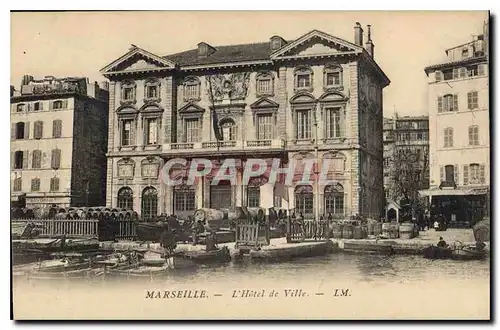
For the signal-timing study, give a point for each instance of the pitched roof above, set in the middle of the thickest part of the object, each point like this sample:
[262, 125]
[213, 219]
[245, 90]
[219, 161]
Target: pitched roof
[224, 54]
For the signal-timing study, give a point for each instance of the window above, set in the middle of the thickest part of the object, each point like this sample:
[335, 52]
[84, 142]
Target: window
[125, 198]
[151, 92]
[303, 78]
[38, 106]
[333, 79]
[149, 207]
[334, 199]
[439, 75]
[18, 183]
[57, 128]
[36, 161]
[221, 195]
[54, 184]
[19, 160]
[253, 196]
[448, 137]
[472, 100]
[38, 131]
[332, 122]
[264, 127]
[192, 130]
[474, 135]
[304, 201]
[387, 161]
[465, 52]
[151, 131]
[462, 72]
[35, 184]
[20, 131]
[128, 93]
[448, 103]
[265, 84]
[184, 199]
[303, 128]
[455, 73]
[57, 105]
[474, 174]
[126, 132]
[21, 107]
[228, 130]
[480, 69]
[55, 159]
[332, 76]
[191, 88]
[449, 174]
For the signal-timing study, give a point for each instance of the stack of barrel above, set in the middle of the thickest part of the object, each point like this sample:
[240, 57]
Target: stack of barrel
[217, 219]
[374, 227]
[390, 230]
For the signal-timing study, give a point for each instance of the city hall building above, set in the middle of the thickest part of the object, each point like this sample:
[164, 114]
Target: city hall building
[317, 97]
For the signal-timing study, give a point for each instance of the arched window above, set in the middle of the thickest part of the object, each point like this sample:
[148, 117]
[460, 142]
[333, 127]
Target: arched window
[125, 198]
[332, 76]
[228, 129]
[304, 200]
[184, 199]
[334, 200]
[191, 88]
[303, 78]
[264, 84]
[149, 207]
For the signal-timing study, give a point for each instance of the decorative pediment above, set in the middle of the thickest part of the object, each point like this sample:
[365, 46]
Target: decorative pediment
[264, 103]
[190, 108]
[127, 110]
[137, 60]
[333, 96]
[302, 98]
[151, 107]
[316, 43]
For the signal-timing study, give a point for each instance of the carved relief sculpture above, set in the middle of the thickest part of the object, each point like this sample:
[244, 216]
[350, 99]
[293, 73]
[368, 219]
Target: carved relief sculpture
[232, 86]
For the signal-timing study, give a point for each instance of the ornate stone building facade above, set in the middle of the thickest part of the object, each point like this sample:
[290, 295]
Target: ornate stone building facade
[58, 142]
[317, 97]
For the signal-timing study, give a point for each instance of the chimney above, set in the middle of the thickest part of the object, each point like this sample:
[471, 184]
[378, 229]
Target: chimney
[369, 44]
[358, 34]
[26, 80]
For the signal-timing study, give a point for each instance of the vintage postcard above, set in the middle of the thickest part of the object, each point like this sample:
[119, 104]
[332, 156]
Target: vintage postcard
[315, 165]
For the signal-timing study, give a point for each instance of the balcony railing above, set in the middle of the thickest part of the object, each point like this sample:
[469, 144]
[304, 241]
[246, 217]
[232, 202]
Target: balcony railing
[224, 145]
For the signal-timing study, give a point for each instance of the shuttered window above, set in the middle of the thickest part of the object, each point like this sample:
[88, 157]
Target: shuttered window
[38, 130]
[474, 135]
[448, 137]
[18, 183]
[472, 100]
[36, 161]
[54, 184]
[57, 128]
[35, 184]
[56, 159]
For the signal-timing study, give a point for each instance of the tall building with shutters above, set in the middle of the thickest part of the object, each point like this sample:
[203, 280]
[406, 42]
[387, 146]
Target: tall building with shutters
[316, 97]
[58, 141]
[459, 131]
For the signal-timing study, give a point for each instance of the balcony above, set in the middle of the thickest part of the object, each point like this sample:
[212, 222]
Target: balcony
[223, 146]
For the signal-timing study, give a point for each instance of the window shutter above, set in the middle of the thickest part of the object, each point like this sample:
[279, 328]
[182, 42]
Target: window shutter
[469, 100]
[480, 69]
[439, 76]
[12, 160]
[441, 173]
[25, 159]
[455, 173]
[51, 105]
[40, 106]
[466, 175]
[132, 133]
[40, 124]
[455, 102]
[65, 104]
[13, 131]
[440, 104]
[27, 130]
[455, 73]
[482, 175]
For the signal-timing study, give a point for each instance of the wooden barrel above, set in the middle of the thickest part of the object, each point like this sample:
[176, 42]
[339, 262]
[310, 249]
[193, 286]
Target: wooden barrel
[393, 230]
[481, 231]
[377, 228]
[348, 231]
[336, 230]
[212, 218]
[257, 213]
[359, 232]
[385, 228]
[406, 230]
[235, 213]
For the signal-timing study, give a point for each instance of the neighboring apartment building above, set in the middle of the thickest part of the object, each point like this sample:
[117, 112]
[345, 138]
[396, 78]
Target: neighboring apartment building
[406, 155]
[317, 97]
[59, 141]
[459, 130]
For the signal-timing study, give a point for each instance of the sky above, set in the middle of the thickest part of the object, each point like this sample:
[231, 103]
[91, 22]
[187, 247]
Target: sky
[81, 43]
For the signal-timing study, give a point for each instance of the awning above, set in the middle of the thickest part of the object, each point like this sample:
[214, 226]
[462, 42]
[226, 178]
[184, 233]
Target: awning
[454, 192]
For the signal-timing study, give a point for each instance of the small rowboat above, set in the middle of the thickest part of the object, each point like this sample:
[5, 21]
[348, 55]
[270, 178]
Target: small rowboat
[434, 252]
[468, 254]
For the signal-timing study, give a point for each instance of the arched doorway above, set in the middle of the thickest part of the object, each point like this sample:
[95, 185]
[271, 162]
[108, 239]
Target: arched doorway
[304, 201]
[125, 198]
[149, 204]
[392, 215]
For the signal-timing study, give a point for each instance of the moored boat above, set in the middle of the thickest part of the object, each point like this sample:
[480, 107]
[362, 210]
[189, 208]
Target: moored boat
[468, 254]
[435, 252]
